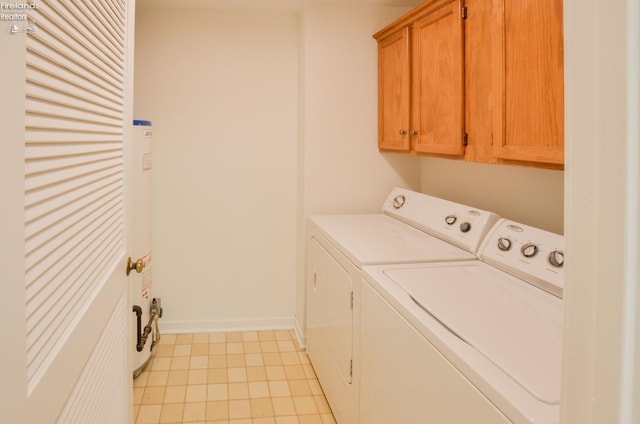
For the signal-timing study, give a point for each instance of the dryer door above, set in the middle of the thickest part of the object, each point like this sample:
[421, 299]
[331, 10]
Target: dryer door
[329, 316]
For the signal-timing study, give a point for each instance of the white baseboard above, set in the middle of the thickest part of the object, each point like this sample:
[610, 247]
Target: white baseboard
[222, 326]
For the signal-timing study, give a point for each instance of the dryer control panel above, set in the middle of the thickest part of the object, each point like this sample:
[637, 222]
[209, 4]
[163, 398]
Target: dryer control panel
[532, 254]
[458, 224]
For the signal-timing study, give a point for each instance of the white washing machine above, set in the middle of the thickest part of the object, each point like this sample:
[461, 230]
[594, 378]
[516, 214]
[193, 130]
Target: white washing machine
[466, 342]
[412, 227]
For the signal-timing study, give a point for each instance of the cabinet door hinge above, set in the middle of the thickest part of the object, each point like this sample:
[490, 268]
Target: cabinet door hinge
[465, 139]
[463, 12]
[352, 300]
[351, 368]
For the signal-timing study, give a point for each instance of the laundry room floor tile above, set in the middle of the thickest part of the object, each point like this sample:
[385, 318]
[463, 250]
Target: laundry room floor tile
[252, 377]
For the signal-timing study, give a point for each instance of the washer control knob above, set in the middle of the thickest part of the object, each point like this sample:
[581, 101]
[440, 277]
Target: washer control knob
[398, 201]
[465, 227]
[556, 258]
[504, 244]
[529, 250]
[451, 219]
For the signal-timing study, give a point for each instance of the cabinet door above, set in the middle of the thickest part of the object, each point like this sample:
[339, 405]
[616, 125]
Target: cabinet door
[393, 91]
[528, 105]
[438, 82]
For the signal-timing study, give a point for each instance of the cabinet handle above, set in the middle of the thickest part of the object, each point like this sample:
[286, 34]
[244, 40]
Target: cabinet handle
[402, 132]
[413, 132]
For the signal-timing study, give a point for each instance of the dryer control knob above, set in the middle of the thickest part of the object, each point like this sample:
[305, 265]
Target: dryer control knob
[529, 250]
[398, 201]
[451, 219]
[465, 227]
[504, 244]
[556, 258]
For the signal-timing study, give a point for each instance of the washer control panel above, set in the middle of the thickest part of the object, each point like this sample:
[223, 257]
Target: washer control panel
[529, 253]
[458, 224]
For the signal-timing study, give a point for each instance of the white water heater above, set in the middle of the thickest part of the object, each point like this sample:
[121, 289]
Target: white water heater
[146, 309]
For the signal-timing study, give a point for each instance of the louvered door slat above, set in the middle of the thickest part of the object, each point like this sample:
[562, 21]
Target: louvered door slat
[42, 338]
[74, 64]
[96, 39]
[116, 11]
[108, 13]
[74, 167]
[51, 264]
[34, 136]
[57, 123]
[47, 95]
[74, 159]
[51, 315]
[102, 23]
[36, 198]
[49, 276]
[46, 297]
[57, 31]
[39, 180]
[62, 212]
[67, 59]
[40, 70]
[108, 20]
[52, 149]
[36, 107]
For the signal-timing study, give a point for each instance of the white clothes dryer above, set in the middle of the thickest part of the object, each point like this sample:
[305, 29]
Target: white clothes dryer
[455, 342]
[412, 227]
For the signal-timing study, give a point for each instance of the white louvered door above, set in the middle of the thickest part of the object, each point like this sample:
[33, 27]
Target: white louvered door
[65, 130]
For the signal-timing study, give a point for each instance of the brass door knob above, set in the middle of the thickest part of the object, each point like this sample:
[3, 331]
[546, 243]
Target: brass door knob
[137, 265]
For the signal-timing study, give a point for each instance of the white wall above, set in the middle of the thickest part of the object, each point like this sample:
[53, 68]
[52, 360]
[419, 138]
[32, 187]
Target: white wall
[340, 168]
[343, 171]
[221, 90]
[259, 119]
[528, 195]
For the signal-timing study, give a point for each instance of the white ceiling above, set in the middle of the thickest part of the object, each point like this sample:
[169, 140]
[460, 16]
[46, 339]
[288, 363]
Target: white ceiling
[258, 5]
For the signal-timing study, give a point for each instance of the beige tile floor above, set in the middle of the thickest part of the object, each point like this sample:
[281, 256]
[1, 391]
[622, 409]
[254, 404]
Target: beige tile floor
[234, 378]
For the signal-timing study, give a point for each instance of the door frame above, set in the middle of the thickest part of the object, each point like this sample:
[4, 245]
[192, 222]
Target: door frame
[12, 261]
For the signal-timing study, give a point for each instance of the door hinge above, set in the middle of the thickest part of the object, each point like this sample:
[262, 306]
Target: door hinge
[465, 139]
[351, 368]
[352, 300]
[463, 12]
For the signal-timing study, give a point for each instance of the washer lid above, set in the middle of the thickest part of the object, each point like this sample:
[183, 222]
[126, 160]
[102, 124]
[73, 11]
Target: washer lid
[515, 325]
[378, 239]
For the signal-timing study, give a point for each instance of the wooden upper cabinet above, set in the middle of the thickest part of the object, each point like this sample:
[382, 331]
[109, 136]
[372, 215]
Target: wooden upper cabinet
[438, 82]
[489, 70]
[421, 81]
[528, 81]
[393, 91]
